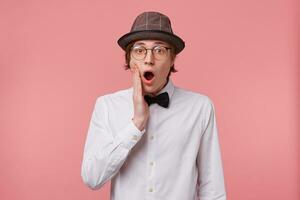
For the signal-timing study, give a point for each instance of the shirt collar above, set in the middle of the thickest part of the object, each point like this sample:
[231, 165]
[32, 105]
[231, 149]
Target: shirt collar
[169, 88]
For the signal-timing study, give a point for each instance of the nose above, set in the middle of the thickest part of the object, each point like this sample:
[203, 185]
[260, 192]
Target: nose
[149, 59]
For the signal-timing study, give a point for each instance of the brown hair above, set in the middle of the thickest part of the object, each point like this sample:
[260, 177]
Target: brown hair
[127, 58]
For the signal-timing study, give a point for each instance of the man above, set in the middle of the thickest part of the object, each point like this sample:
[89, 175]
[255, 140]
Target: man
[154, 140]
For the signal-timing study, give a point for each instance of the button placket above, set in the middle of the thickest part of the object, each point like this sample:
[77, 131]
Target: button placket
[150, 166]
[135, 137]
[151, 149]
[151, 137]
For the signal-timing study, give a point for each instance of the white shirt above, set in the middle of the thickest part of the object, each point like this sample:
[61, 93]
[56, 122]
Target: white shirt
[176, 157]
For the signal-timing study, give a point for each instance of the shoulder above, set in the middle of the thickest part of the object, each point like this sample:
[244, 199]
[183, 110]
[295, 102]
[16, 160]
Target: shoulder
[120, 94]
[201, 103]
[113, 99]
[197, 98]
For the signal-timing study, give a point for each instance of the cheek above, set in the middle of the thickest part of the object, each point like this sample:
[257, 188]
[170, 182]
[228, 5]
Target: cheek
[163, 73]
[131, 64]
[133, 61]
[165, 70]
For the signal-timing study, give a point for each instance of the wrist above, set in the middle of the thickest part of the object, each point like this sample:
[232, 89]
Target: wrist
[139, 123]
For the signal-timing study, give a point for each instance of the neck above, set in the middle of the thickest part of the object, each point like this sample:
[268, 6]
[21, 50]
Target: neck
[163, 85]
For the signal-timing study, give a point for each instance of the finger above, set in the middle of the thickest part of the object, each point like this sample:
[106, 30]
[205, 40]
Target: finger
[131, 69]
[135, 80]
[139, 82]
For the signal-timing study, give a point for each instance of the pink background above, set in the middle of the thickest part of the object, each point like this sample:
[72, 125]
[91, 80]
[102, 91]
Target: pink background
[56, 57]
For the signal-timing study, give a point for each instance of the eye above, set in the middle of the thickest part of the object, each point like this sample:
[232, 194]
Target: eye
[159, 50]
[139, 50]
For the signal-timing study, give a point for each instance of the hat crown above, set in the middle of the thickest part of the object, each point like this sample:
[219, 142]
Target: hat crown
[152, 26]
[152, 21]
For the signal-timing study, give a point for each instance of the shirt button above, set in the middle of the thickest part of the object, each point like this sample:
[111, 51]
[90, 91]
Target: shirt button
[151, 163]
[135, 137]
[151, 137]
[150, 189]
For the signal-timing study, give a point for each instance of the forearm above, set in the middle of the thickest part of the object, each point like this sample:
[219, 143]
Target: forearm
[104, 151]
[211, 177]
[101, 162]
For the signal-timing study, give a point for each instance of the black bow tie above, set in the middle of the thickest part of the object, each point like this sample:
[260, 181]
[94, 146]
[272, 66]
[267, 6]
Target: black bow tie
[161, 99]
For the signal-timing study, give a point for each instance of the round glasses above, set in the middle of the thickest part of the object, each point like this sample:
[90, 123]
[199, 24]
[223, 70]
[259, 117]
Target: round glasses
[159, 52]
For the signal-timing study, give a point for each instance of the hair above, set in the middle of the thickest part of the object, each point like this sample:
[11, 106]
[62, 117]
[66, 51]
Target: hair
[127, 58]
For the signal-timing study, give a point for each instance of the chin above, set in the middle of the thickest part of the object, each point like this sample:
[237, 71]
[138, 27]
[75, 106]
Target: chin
[149, 89]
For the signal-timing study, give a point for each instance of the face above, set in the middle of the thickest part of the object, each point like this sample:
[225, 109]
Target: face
[153, 71]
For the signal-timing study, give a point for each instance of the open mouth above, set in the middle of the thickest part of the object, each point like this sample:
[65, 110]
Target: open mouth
[148, 76]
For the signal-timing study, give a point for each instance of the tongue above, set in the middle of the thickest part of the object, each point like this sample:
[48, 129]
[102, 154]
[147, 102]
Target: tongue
[149, 75]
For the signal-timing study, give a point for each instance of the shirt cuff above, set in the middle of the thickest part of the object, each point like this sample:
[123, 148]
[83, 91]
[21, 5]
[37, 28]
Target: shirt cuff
[130, 135]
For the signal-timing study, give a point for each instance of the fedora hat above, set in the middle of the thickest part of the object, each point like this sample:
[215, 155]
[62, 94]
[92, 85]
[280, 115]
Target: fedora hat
[155, 26]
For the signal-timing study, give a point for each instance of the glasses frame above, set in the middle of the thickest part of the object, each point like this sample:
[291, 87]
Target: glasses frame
[167, 48]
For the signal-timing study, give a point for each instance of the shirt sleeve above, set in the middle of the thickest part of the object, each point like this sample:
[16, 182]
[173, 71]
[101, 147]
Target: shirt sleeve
[211, 180]
[104, 152]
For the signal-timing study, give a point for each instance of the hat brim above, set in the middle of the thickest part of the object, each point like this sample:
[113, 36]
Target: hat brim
[172, 39]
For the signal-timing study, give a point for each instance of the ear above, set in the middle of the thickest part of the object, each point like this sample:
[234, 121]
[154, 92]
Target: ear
[172, 63]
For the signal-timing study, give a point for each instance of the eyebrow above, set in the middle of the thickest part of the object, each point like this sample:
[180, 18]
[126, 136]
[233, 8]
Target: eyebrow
[139, 43]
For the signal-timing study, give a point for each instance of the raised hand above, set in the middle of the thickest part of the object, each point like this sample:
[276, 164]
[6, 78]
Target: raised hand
[141, 108]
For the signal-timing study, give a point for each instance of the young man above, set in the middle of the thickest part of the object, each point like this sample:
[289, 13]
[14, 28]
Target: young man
[154, 140]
